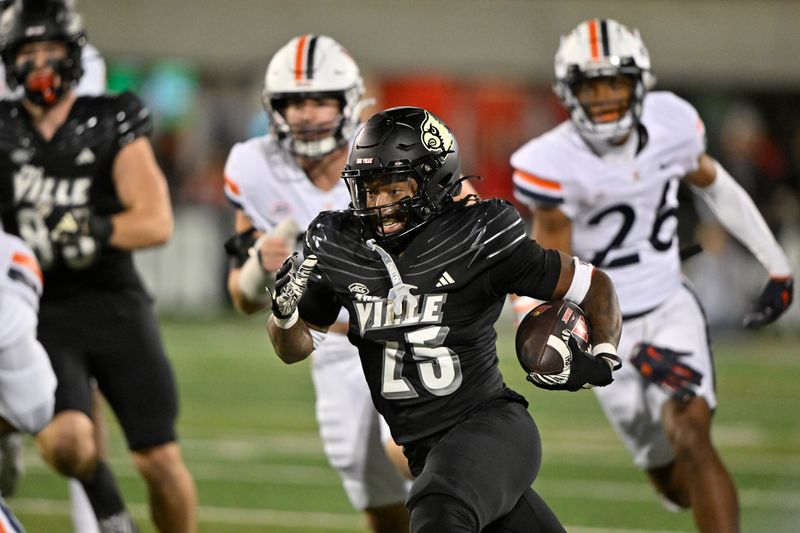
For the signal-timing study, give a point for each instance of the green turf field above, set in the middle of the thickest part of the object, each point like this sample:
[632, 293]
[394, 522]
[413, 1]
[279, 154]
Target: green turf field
[249, 438]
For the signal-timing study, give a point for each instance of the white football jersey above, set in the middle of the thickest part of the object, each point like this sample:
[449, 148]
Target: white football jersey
[265, 181]
[623, 212]
[19, 270]
[92, 83]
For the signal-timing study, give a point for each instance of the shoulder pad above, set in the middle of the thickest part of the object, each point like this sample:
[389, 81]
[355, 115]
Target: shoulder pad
[132, 118]
[329, 226]
[674, 112]
[539, 166]
[502, 231]
[475, 236]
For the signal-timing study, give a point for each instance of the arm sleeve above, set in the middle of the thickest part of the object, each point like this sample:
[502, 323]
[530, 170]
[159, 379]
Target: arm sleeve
[737, 212]
[529, 271]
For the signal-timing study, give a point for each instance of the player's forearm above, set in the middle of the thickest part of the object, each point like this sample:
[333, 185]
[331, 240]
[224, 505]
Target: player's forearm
[740, 216]
[293, 344]
[602, 309]
[134, 229]
[241, 302]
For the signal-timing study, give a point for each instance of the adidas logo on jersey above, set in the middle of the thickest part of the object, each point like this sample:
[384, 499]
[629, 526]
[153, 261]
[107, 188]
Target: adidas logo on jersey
[445, 279]
[86, 157]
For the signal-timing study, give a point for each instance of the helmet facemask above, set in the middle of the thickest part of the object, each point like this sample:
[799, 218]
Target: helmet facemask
[311, 141]
[591, 124]
[46, 87]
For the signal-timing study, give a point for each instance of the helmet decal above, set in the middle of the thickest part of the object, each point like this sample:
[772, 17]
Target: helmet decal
[436, 137]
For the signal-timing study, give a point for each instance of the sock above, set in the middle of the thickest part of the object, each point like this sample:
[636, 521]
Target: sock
[83, 519]
[103, 492]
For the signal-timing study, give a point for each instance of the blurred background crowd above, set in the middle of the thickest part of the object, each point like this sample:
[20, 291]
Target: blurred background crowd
[486, 68]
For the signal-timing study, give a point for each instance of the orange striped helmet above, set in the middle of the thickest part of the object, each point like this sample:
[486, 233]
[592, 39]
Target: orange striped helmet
[313, 66]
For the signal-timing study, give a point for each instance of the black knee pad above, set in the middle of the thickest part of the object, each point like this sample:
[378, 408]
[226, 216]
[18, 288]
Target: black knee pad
[435, 513]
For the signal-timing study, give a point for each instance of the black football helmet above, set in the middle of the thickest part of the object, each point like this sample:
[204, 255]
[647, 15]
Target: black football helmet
[403, 143]
[26, 21]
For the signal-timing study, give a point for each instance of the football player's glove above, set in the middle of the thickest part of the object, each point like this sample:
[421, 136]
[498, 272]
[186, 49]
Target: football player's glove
[80, 235]
[663, 367]
[582, 370]
[237, 247]
[289, 287]
[774, 300]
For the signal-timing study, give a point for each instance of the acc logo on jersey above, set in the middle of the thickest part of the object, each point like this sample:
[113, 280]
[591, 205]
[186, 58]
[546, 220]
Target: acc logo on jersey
[358, 288]
[435, 135]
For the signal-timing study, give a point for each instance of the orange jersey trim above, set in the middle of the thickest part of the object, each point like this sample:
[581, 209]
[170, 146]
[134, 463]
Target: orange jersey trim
[232, 186]
[537, 181]
[29, 262]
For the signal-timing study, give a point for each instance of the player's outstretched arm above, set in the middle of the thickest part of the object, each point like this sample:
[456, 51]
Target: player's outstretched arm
[739, 215]
[142, 188]
[290, 335]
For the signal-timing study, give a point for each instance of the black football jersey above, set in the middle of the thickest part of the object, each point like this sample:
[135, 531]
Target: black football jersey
[435, 361]
[42, 180]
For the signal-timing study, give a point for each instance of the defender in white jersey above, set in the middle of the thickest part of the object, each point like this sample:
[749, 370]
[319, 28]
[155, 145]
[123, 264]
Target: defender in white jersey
[92, 83]
[27, 380]
[279, 183]
[603, 186]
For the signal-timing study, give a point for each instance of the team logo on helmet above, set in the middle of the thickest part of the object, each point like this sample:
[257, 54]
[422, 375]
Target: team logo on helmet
[436, 137]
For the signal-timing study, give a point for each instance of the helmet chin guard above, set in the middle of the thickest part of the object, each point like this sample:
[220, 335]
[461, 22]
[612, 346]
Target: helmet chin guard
[599, 48]
[314, 66]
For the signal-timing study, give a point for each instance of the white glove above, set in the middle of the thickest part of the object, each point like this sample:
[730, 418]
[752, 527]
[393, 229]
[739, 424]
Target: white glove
[288, 290]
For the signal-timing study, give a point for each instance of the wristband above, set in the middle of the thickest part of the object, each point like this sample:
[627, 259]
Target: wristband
[101, 228]
[288, 322]
[607, 349]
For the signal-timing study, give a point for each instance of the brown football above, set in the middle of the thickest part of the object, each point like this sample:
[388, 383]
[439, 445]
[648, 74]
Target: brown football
[549, 318]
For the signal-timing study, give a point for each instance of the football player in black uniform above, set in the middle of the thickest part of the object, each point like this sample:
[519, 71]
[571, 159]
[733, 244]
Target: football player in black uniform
[424, 279]
[79, 182]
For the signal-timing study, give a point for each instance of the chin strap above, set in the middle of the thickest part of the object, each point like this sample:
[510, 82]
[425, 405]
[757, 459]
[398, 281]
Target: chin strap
[400, 291]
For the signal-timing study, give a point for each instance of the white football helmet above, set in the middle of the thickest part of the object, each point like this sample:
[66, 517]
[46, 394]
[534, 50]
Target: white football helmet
[313, 66]
[595, 48]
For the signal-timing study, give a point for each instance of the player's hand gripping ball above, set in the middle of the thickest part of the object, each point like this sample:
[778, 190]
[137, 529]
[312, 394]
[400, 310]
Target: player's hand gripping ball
[552, 345]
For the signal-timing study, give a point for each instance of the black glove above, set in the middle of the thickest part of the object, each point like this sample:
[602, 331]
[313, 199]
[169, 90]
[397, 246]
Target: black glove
[237, 247]
[290, 286]
[582, 370]
[774, 300]
[663, 367]
[80, 236]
